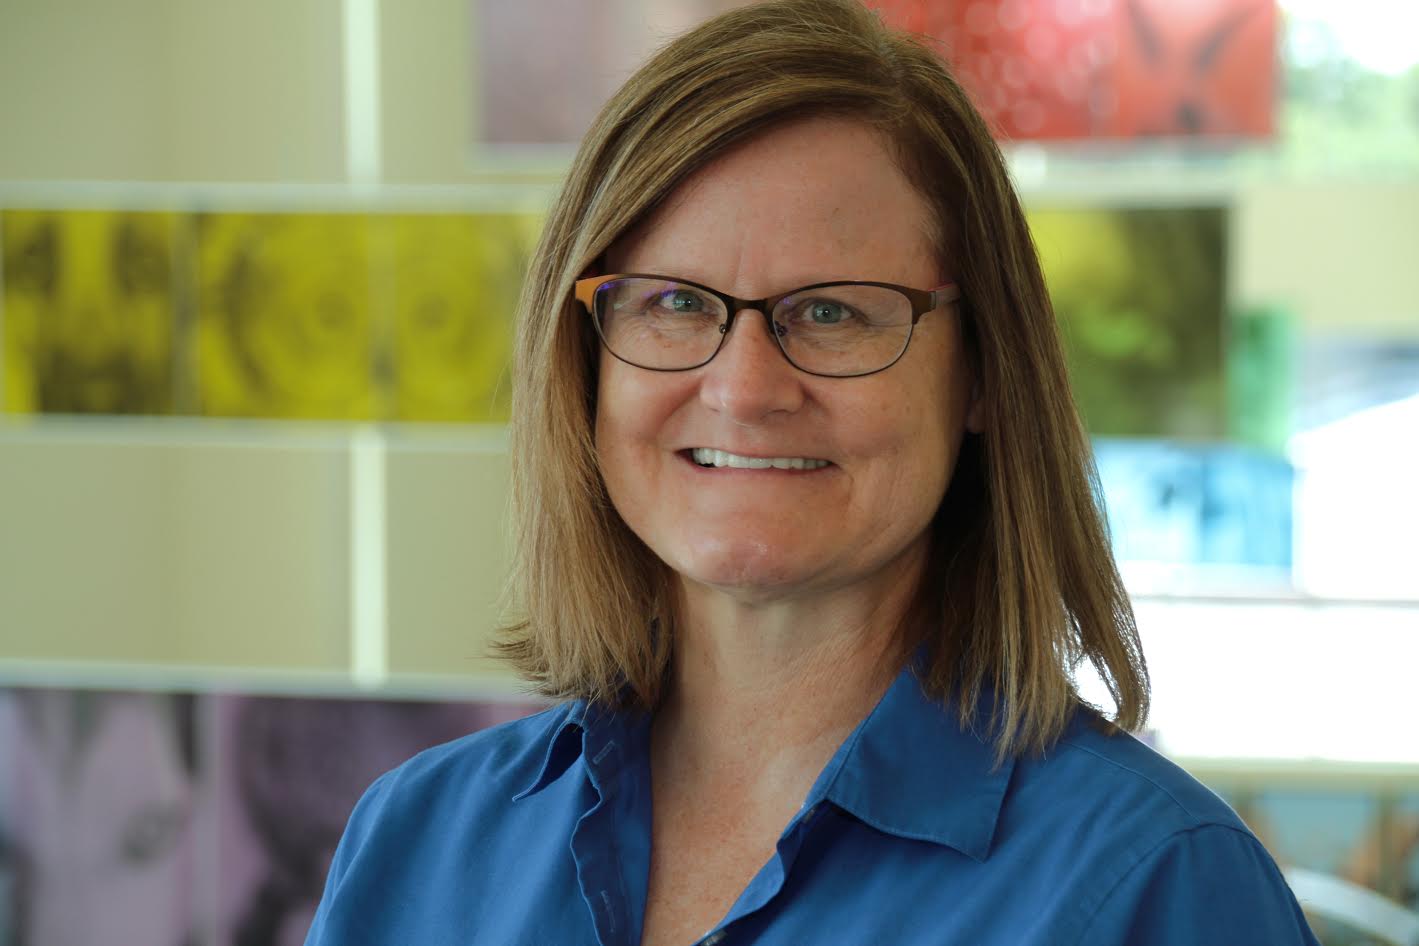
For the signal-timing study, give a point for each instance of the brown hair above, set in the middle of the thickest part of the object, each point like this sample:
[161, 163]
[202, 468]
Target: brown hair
[1021, 586]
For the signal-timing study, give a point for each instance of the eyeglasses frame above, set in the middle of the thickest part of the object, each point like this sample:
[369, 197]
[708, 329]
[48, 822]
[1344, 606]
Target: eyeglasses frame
[922, 301]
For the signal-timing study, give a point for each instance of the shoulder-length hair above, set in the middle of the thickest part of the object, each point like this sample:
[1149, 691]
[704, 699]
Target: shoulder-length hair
[1021, 586]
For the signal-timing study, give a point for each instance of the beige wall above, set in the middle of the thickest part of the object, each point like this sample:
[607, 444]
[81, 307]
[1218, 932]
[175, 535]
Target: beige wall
[151, 544]
[227, 547]
[257, 90]
[1340, 255]
[171, 90]
[448, 551]
[84, 91]
[426, 78]
[213, 91]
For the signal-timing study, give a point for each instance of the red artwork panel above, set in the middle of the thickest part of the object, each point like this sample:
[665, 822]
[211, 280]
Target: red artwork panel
[1072, 69]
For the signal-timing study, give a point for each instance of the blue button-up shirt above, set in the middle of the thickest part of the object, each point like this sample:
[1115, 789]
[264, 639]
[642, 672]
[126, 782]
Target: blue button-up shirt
[538, 832]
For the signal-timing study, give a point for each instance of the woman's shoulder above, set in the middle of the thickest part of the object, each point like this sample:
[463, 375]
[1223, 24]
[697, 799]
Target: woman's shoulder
[457, 780]
[1100, 802]
[1141, 850]
[1093, 753]
[440, 831]
[502, 757]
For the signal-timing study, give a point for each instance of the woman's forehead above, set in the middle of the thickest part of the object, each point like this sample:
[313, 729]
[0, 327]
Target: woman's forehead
[820, 198]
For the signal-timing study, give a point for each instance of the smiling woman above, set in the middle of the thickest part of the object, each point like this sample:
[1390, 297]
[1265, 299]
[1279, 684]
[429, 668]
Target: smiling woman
[810, 556]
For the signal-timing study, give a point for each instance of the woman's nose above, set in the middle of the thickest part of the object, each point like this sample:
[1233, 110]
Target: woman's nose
[749, 379]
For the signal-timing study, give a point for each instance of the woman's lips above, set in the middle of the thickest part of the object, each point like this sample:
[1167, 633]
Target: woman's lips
[714, 458]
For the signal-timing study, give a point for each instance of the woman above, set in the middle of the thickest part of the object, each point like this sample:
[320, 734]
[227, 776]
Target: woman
[811, 567]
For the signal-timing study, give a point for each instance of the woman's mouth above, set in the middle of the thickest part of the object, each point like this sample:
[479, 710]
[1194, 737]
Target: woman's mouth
[710, 457]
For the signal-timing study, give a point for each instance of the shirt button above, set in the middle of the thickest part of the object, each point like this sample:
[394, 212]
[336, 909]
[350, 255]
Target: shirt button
[712, 938]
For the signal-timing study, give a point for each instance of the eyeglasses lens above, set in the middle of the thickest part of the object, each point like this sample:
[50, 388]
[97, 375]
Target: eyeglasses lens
[838, 330]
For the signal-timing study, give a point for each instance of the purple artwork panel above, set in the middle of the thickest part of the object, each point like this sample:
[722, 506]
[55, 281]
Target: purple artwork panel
[177, 820]
[99, 807]
[288, 771]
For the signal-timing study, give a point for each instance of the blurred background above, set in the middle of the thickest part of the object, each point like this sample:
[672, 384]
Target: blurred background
[258, 264]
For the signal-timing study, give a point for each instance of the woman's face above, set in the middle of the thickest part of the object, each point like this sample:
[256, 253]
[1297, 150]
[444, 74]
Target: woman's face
[807, 202]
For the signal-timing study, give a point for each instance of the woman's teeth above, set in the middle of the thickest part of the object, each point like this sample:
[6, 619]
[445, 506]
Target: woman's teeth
[706, 456]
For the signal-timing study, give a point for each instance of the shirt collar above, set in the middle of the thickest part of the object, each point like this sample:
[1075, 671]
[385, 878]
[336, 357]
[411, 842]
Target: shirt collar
[564, 736]
[588, 731]
[909, 769]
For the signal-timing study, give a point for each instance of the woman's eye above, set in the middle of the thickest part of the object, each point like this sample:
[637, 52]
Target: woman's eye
[827, 313]
[682, 300]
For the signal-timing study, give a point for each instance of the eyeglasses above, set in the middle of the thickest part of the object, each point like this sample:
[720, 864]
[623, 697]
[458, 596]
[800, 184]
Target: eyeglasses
[835, 329]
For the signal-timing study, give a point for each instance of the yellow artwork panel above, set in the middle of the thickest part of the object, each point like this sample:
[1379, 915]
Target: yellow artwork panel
[90, 311]
[339, 316]
[451, 292]
[285, 325]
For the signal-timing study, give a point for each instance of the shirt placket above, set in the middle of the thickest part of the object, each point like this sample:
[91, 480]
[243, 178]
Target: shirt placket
[611, 841]
[594, 851]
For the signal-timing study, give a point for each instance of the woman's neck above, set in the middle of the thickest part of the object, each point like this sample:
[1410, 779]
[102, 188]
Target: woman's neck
[767, 691]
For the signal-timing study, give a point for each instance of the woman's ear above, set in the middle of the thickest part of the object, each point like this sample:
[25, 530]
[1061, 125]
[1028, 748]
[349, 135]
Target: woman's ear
[975, 403]
[975, 410]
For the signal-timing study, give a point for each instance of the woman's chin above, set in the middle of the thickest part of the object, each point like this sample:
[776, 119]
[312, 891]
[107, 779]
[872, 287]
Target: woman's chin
[745, 568]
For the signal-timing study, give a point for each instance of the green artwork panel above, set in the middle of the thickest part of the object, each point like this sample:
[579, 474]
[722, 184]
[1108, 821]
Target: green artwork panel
[1261, 377]
[1139, 294]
